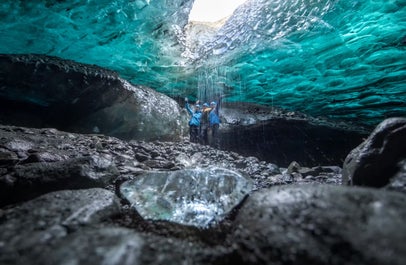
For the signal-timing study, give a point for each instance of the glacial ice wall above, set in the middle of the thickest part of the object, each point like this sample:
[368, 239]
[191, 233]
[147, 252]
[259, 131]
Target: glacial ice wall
[135, 38]
[341, 59]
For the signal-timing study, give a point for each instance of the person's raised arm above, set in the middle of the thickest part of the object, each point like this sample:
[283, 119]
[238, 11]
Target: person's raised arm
[188, 107]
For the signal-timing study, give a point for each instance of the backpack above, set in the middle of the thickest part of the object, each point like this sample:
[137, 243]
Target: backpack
[204, 120]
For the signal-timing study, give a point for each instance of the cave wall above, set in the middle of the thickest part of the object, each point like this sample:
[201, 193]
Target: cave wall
[344, 60]
[44, 91]
[282, 141]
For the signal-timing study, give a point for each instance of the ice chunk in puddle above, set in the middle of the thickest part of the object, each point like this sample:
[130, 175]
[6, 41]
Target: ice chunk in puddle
[197, 197]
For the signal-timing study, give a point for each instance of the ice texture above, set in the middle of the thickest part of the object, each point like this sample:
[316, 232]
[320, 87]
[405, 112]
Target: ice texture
[195, 197]
[341, 59]
[344, 60]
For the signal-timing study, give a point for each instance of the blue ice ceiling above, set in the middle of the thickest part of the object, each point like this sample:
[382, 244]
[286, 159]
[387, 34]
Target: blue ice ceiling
[344, 60]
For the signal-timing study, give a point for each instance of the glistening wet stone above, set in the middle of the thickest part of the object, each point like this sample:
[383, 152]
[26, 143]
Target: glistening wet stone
[195, 197]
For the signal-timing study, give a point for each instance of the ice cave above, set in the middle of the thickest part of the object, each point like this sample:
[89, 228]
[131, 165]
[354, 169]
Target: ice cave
[96, 164]
[344, 60]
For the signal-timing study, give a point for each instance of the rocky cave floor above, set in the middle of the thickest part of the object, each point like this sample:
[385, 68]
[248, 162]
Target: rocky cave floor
[61, 203]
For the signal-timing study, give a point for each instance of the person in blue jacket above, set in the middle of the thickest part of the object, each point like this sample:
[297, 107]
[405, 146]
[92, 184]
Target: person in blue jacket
[214, 119]
[194, 123]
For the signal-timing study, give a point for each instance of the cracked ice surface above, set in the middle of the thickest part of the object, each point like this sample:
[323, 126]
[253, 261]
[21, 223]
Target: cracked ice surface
[196, 197]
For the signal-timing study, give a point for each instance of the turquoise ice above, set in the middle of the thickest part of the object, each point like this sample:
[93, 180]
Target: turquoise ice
[341, 59]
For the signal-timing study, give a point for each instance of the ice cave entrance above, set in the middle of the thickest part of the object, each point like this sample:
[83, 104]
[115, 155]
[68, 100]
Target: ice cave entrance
[213, 10]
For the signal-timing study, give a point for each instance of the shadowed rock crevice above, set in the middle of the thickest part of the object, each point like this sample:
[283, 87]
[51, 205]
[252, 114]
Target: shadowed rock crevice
[284, 139]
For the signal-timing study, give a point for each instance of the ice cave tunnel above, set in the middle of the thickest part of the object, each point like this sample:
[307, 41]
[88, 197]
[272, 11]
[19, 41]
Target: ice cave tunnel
[95, 162]
[340, 60]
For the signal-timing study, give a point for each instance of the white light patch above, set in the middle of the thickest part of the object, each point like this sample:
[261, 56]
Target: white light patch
[213, 10]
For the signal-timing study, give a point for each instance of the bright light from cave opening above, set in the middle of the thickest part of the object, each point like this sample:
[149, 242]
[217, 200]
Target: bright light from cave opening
[213, 10]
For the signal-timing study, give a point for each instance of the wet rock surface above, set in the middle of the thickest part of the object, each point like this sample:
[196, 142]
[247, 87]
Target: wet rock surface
[29, 229]
[319, 224]
[109, 245]
[380, 157]
[294, 215]
[398, 181]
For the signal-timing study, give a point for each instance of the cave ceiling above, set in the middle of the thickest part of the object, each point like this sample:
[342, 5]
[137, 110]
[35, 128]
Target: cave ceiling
[343, 60]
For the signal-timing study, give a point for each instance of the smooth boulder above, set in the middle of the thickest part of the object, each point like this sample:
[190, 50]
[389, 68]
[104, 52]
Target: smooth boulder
[321, 224]
[375, 161]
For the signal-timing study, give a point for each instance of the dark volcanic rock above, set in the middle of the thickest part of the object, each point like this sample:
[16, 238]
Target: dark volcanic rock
[89, 99]
[398, 181]
[33, 179]
[314, 222]
[36, 161]
[31, 228]
[111, 245]
[34, 164]
[374, 162]
[321, 224]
